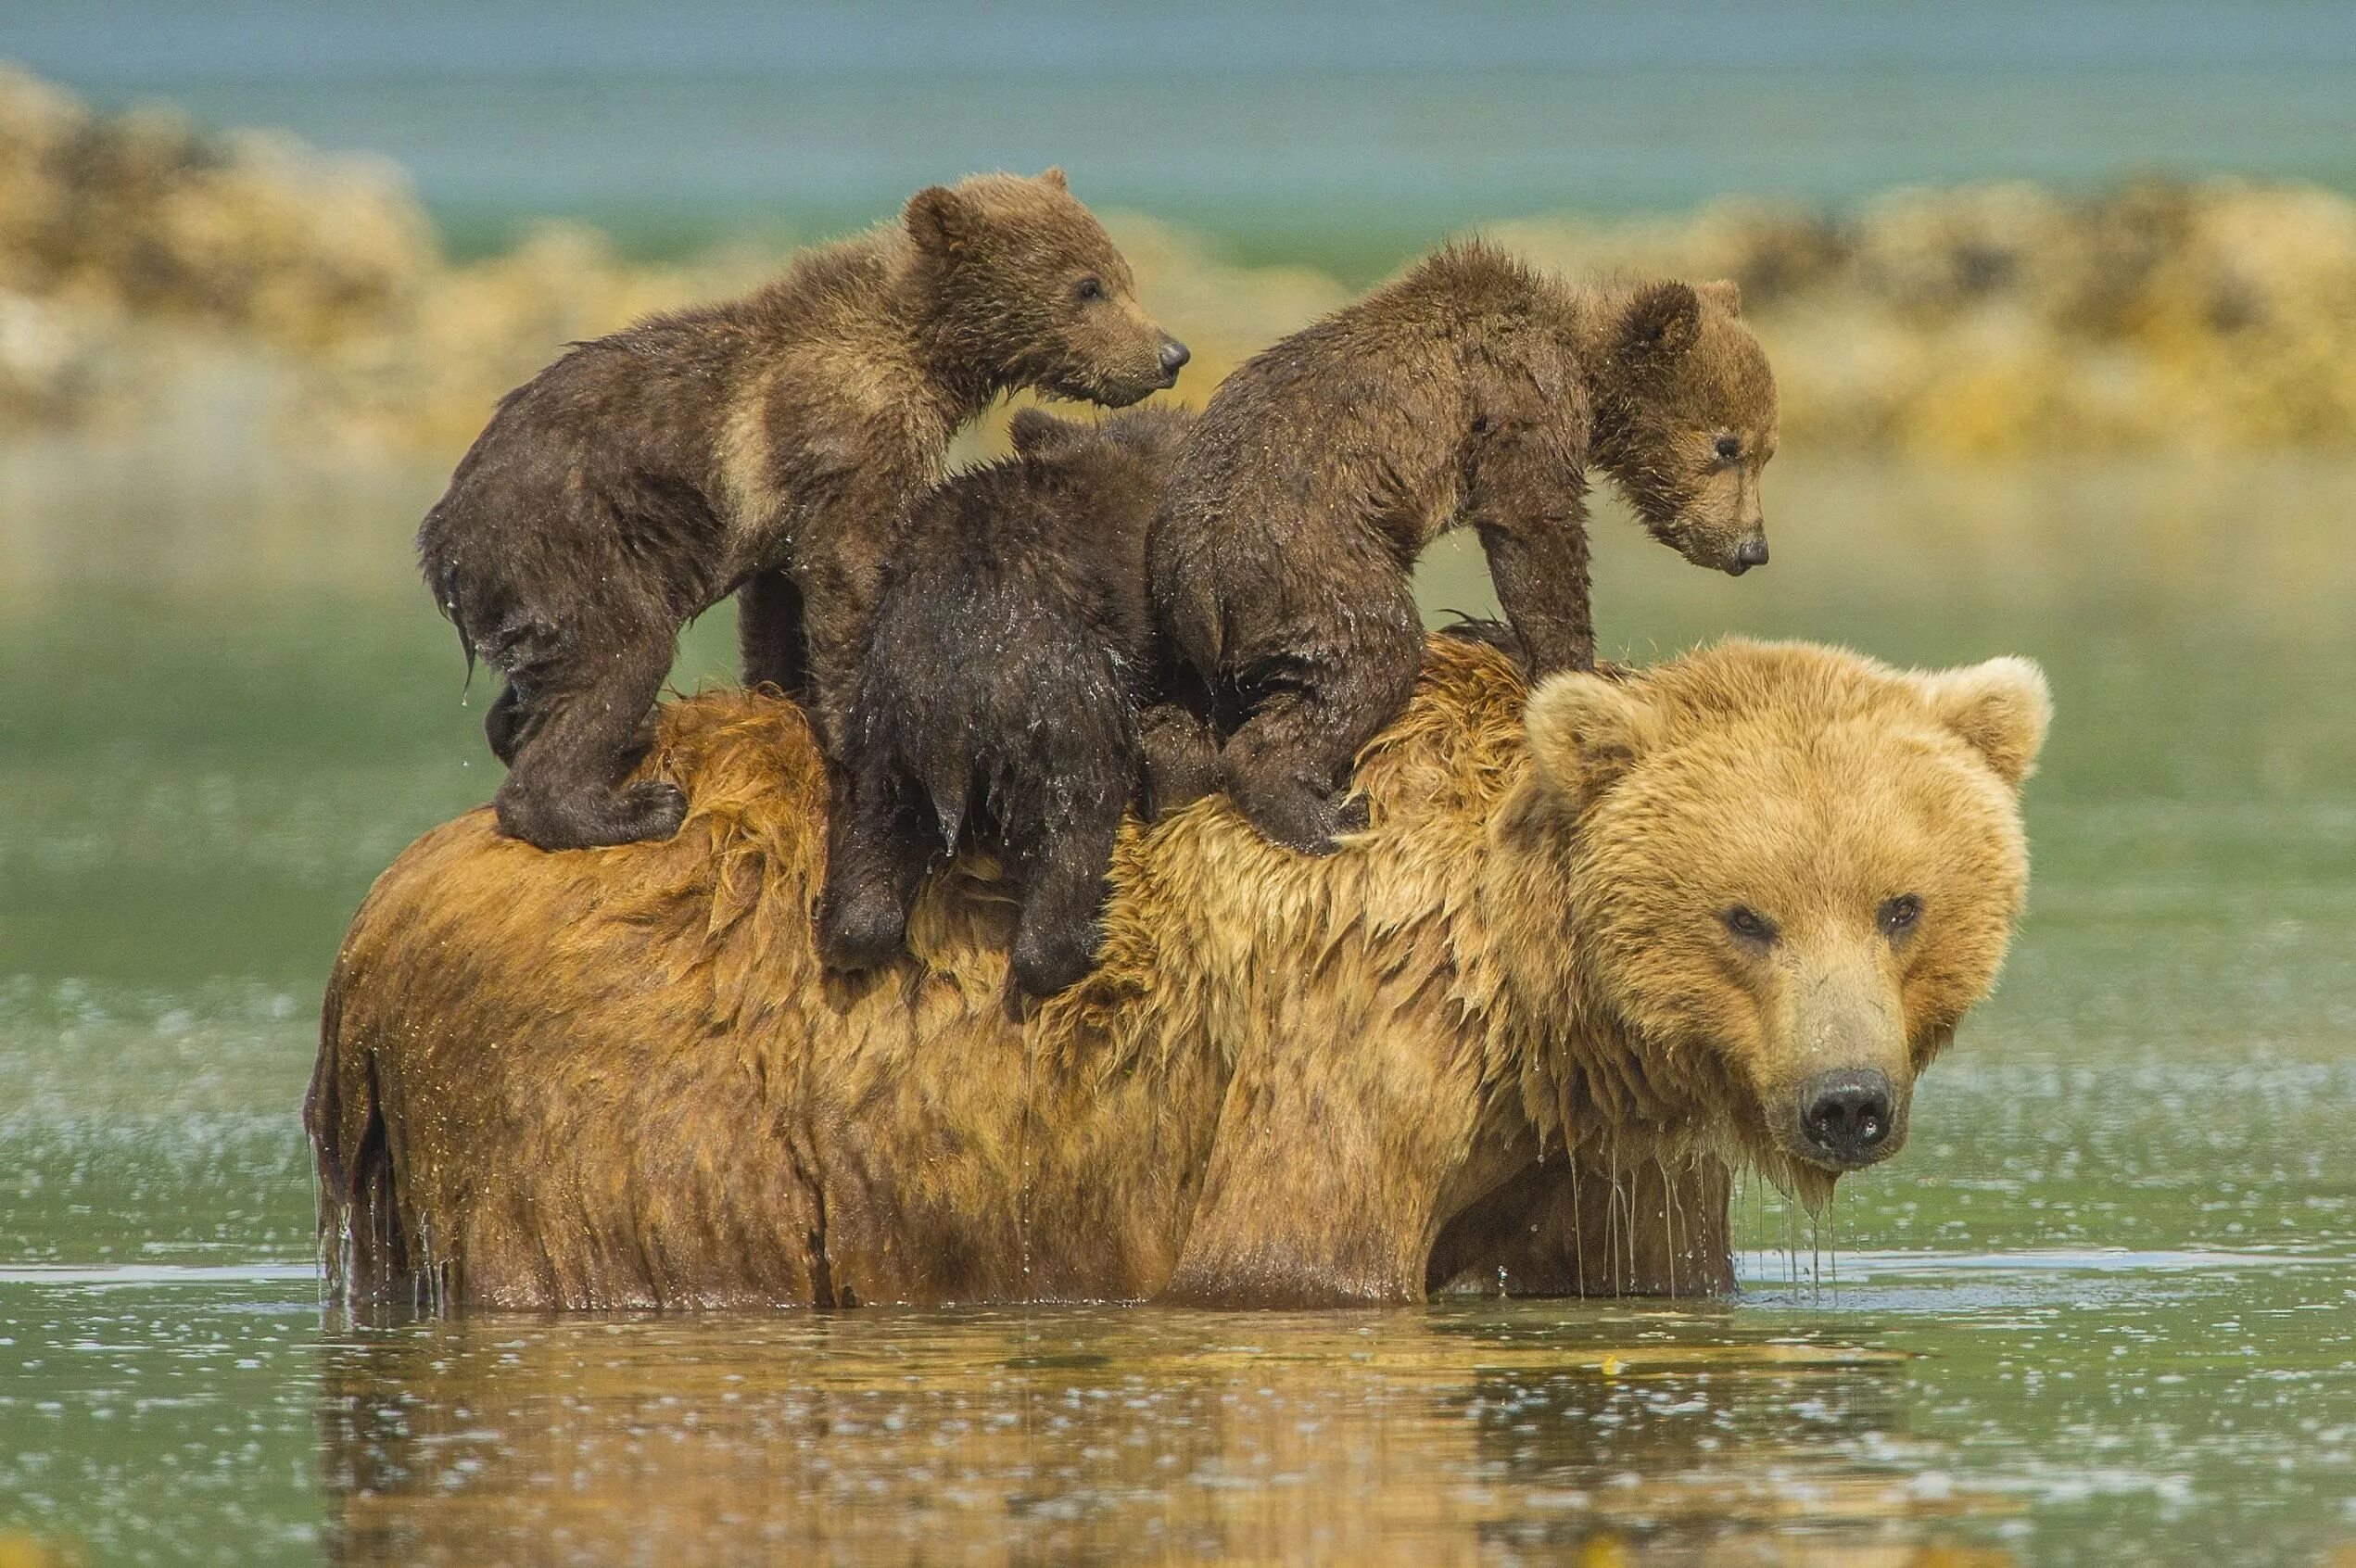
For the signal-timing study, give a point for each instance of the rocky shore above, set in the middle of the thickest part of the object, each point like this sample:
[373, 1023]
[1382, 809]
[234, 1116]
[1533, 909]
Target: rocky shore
[147, 266]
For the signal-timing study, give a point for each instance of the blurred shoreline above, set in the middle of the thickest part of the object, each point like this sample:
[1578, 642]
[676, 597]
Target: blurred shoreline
[1342, 137]
[227, 358]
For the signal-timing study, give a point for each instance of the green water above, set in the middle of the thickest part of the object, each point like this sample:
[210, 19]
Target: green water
[2103, 1309]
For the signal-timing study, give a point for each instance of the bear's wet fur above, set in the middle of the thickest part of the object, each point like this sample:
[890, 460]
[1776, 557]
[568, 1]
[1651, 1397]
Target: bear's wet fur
[1472, 389]
[998, 703]
[768, 443]
[1505, 1037]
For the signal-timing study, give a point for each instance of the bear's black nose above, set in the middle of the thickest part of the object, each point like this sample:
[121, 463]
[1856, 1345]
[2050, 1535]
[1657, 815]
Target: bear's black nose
[1173, 357]
[1847, 1114]
[1753, 552]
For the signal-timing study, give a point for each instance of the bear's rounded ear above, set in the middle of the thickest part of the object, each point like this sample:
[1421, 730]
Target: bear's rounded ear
[1724, 293]
[1053, 179]
[1663, 323]
[1586, 731]
[2001, 709]
[939, 220]
[1035, 432]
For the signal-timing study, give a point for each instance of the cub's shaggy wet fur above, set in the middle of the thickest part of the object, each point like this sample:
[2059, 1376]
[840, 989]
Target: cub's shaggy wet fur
[1000, 695]
[1472, 390]
[769, 442]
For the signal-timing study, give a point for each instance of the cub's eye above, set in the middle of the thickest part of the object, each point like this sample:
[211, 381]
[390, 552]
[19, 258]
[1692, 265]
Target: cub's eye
[1088, 288]
[1730, 447]
[1749, 924]
[1898, 915]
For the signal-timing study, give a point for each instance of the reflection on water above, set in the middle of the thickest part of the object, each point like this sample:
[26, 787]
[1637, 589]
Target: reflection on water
[2102, 1309]
[1934, 1409]
[1060, 1437]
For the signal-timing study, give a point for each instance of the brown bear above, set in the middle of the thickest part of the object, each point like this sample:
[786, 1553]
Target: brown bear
[1472, 389]
[999, 700]
[1721, 912]
[769, 442]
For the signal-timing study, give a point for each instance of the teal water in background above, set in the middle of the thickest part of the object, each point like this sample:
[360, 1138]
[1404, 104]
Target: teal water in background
[1343, 135]
[2103, 1309]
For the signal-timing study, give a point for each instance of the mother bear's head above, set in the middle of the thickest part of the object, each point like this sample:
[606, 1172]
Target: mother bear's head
[1787, 870]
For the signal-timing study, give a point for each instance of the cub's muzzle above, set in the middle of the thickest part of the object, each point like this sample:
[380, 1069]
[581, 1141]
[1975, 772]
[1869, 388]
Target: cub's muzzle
[1174, 360]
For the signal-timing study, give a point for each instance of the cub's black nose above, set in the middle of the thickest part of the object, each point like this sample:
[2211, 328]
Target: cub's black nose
[1173, 357]
[1847, 1114]
[1753, 553]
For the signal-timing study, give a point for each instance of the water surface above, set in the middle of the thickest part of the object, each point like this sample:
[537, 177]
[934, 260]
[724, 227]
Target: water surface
[2102, 1310]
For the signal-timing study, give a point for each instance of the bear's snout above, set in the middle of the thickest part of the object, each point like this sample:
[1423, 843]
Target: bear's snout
[1174, 360]
[1753, 552]
[1847, 1115]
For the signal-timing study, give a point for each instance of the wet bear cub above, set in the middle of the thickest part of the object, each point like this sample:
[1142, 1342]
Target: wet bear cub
[1000, 699]
[1473, 390]
[771, 443]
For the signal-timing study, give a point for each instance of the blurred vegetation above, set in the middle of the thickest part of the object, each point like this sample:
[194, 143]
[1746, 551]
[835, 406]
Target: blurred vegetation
[150, 271]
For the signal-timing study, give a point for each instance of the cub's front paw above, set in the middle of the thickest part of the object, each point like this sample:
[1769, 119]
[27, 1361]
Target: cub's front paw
[652, 810]
[1047, 962]
[861, 934]
[1301, 818]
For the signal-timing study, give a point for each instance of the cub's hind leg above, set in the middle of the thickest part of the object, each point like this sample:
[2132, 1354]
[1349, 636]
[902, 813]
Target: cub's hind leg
[881, 841]
[578, 727]
[770, 635]
[1063, 873]
[1313, 704]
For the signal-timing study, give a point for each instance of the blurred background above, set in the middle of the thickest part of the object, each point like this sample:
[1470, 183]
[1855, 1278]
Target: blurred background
[2062, 299]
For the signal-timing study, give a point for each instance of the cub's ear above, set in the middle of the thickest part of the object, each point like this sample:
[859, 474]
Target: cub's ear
[2000, 709]
[1035, 432]
[1586, 731]
[940, 221]
[1663, 322]
[1053, 179]
[1724, 293]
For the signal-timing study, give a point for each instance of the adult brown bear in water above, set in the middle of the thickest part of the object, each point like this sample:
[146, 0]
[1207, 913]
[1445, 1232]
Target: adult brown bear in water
[1721, 911]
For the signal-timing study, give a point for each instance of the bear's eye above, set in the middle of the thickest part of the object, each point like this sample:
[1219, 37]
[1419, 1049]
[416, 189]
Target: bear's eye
[1899, 913]
[1730, 447]
[1749, 924]
[1088, 288]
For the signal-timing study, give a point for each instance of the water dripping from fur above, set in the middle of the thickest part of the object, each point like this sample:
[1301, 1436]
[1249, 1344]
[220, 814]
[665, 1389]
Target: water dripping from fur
[1579, 1231]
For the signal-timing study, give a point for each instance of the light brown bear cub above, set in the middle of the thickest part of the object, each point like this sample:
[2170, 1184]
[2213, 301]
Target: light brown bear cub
[1472, 390]
[770, 443]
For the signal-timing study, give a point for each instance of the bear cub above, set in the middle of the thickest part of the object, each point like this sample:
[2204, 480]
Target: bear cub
[1000, 698]
[770, 442]
[1471, 390]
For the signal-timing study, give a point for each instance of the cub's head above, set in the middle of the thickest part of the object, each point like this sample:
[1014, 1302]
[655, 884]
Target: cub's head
[1686, 419]
[1150, 435]
[1030, 292]
[1790, 872]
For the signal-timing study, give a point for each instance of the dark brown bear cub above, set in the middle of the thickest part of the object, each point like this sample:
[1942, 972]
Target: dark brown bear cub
[1471, 390]
[771, 441]
[999, 701]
